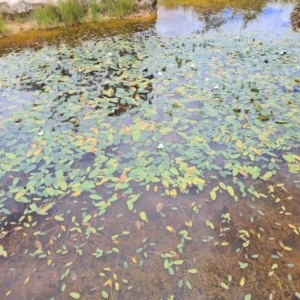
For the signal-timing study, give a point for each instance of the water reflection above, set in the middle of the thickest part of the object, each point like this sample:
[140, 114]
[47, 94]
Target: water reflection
[173, 18]
[278, 18]
[178, 21]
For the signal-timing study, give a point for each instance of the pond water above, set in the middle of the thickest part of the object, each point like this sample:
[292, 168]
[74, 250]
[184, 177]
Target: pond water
[153, 159]
[185, 20]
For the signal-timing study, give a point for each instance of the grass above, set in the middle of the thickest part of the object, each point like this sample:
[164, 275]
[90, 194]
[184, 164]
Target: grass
[118, 8]
[46, 16]
[114, 9]
[2, 25]
[95, 11]
[71, 11]
[67, 13]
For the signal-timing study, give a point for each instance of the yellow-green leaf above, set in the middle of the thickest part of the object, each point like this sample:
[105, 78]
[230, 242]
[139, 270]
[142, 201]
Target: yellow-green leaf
[267, 175]
[143, 216]
[75, 295]
[242, 281]
[171, 229]
[178, 262]
[19, 195]
[230, 190]
[224, 286]
[58, 218]
[213, 195]
[86, 219]
[104, 294]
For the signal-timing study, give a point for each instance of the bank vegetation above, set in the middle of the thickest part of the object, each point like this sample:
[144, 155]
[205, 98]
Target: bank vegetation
[70, 12]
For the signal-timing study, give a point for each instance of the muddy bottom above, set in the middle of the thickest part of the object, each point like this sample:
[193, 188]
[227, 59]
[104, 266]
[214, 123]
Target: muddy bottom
[187, 247]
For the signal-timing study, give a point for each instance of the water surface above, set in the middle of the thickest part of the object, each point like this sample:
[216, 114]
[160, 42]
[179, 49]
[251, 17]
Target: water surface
[162, 162]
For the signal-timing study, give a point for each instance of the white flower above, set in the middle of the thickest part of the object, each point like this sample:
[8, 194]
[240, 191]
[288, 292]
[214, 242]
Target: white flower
[109, 54]
[159, 73]
[41, 132]
[160, 146]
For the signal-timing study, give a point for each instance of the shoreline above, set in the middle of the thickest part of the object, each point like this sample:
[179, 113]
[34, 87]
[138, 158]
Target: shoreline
[18, 26]
[33, 37]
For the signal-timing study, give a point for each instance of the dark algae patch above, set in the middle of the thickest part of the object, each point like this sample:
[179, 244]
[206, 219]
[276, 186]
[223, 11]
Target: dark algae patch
[148, 167]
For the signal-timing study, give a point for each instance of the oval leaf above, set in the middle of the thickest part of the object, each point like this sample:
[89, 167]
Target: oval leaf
[75, 295]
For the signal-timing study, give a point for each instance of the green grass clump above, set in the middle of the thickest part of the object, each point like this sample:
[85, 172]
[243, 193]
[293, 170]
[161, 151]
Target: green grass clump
[67, 12]
[47, 16]
[3, 28]
[71, 11]
[117, 8]
[95, 11]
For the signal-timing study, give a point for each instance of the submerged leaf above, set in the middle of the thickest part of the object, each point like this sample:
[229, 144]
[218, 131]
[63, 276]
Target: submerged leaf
[171, 229]
[75, 295]
[159, 207]
[230, 190]
[143, 216]
[243, 265]
[224, 286]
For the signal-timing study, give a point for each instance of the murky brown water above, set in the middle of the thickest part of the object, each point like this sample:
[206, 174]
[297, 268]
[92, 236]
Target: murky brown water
[238, 248]
[217, 236]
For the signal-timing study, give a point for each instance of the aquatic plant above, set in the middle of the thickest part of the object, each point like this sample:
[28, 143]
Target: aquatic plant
[135, 162]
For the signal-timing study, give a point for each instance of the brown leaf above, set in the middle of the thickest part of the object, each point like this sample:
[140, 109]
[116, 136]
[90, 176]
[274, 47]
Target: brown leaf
[73, 275]
[159, 207]
[138, 225]
[38, 244]
[123, 176]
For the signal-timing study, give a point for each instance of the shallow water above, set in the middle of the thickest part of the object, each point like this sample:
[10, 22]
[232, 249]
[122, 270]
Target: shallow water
[160, 164]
